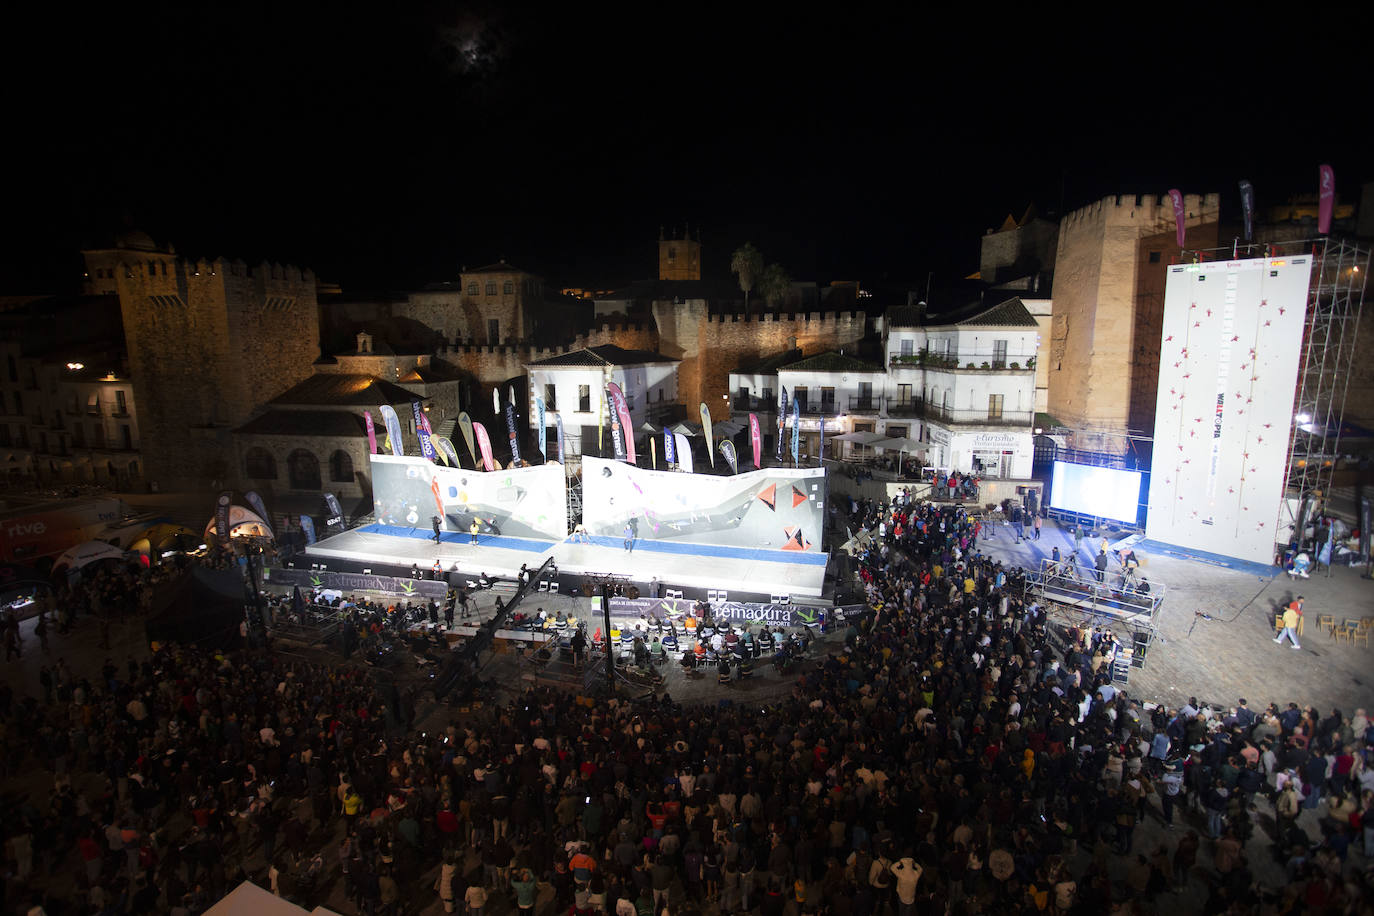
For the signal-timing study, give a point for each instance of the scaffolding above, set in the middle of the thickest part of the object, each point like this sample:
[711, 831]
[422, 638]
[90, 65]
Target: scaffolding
[1073, 599]
[1335, 297]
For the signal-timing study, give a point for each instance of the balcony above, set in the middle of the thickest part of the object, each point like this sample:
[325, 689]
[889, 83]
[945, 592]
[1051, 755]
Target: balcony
[976, 361]
[819, 409]
[864, 404]
[897, 407]
[749, 402]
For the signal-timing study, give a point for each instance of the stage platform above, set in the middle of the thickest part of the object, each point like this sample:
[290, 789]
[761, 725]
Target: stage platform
[745, 574]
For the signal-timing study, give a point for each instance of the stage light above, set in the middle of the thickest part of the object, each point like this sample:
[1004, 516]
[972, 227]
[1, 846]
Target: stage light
[76, 366]
[1303, 418]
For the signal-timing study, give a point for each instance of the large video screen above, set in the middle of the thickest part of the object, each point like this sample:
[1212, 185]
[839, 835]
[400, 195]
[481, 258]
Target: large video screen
[519, 502]
[1228, 369]
[1103, 492]
[773, 508]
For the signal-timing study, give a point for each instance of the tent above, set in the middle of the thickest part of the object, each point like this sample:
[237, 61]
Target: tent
[860, 437]
[242, 523]
[165, 536]
[87, 553]
[250, 900]
[901, 444]
[205, 609]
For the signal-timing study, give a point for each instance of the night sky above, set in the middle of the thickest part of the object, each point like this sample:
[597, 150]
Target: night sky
[386, 145]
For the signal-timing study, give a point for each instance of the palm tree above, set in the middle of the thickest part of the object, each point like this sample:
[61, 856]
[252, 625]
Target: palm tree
[746, 264]
[774, 284]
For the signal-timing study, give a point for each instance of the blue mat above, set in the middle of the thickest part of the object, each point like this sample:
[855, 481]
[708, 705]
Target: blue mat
[642, 545]
[456, 537]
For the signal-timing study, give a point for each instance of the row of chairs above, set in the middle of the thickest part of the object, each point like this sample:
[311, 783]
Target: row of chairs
[1349, 630]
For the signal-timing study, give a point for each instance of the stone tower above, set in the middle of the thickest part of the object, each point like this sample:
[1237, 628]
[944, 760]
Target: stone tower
[679, 258]
[1109, 272]
[208, 342]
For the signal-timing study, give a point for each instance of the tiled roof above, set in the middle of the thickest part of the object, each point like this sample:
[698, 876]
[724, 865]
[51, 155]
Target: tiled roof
[1011, 313]
[500, 267]
[329, 389]
[832, 362]
[305, 423]
[904, 316]
[770, 364]
[604, 355]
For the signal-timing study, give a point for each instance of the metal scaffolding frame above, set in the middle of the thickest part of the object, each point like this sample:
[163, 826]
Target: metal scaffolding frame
[1074, 599]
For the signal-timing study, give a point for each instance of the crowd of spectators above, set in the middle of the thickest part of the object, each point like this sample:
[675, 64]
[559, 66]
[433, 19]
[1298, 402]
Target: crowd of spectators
[941, 759]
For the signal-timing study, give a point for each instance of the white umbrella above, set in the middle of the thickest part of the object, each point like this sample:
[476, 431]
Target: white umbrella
[858, 438]
[89, 552]
[687, 429]
[901, 443]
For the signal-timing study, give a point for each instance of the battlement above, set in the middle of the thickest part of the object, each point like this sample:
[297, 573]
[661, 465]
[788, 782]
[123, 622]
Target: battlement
[1143, 208]
[522, 352]
[804, 318]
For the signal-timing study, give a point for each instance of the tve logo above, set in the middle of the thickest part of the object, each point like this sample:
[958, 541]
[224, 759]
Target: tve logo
[20, 529]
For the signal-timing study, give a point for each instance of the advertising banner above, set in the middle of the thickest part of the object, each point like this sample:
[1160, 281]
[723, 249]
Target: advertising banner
[439, 455]
[1180, 214]
[782, 415]
[465, 424]
[418, 413]
[450, 453]
[706, 431]
[222, 515]
[736, 613]
[255, 501]
[727, 451]
[621, 417]
[796, 431]
[558, 427]
[334, 518]
[1247, 207]
[684, 452]
[756, 440]
[496, 401]
[618, 432]
[356, 582]
[669, 448]
[371, 433]
[393, 430]
[653, 452]
[1326, 198]
[821, 449]
[308, 526]
[484, 446]
[541, 436]
[513, 434]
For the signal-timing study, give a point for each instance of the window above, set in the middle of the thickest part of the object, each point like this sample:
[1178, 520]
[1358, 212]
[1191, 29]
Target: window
[98, 435]
[121, 405]
[1154, 257]
[907, 345]
[866, 395]
[999, 354]
[584, 398]
[904, 394]
[258, 464]
[766, 396]
[304, 470]
[13, 368]
[827, 400]
[493, 331]
[672, 253]
[340, 467]
[550, 397]
[994, 407]
[799, 395]
[491, 287]
[472, 288]
[152, 268]
[78, 435]
[93, 403]
[126, 437]
[508, 288]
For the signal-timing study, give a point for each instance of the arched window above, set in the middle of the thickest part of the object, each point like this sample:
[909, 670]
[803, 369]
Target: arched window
[304, 470]
[258, 464]
[341, 467]
[472, 288]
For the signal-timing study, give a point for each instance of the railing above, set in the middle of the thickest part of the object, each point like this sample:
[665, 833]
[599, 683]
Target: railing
[898, 407]
[864, 404]
[905, 407]
[750, 402]
[819, 409]
[977, 360]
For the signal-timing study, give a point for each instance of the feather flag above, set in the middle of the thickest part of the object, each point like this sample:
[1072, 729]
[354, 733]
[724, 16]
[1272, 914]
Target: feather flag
[669, 448]
[541, 433]
[450, 453]
[1326, 198]
[371, 433]
[439, 455]
[727, 451]
[684, 452]
[622, 427]
[513, 430]
[653, 452]
[496, 401]
[426, 447]
[796, 430]
[465, 424]
[1180, 213]
[782, 416]
[484, 444]
[393, 430]
[706, 430]
[558, 426]
[1247, 207]
[755, 439]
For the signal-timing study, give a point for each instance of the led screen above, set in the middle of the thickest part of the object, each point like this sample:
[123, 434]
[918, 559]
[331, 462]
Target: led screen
[1103, 492]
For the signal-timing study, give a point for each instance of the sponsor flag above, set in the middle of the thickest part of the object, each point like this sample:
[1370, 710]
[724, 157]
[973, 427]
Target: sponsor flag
[600, 426]
[620, 416]
[496, 401]
[465, 424]
[706, 430]
[1326, 198]
[796, 430]
[755, 439]
[371, 433]
[617, 430]
[727, 451]
[484, 445]
[439, 455]
[418, 413]
[558, 426]
[222, 516]
[438, 497]
[255, 501]
[1247, 207]
[684, 452]
[653, 452]
[821, 457]
[393, 430]
[669, 448]
[1179, 214]
[541, 436]
[782, 416]
[331, 504]
[513, 431]
[450, 453]
[308, 527]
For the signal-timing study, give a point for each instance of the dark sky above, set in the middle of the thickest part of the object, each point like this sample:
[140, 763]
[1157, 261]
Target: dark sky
[387, 144]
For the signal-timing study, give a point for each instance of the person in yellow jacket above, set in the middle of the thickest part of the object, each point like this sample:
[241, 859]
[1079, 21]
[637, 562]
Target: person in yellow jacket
[352, 805]
[1290, 623]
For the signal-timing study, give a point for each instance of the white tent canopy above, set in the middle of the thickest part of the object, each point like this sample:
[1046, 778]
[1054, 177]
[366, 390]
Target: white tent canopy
[89, 552]
[858, 438]
[242, 523]
[901, 443]
[250, 900]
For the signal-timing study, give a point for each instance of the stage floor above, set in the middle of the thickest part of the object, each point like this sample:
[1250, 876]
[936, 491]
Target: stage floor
[742, 572]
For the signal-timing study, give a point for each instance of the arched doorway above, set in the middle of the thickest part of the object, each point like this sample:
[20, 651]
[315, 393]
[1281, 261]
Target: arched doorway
[304, 470]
